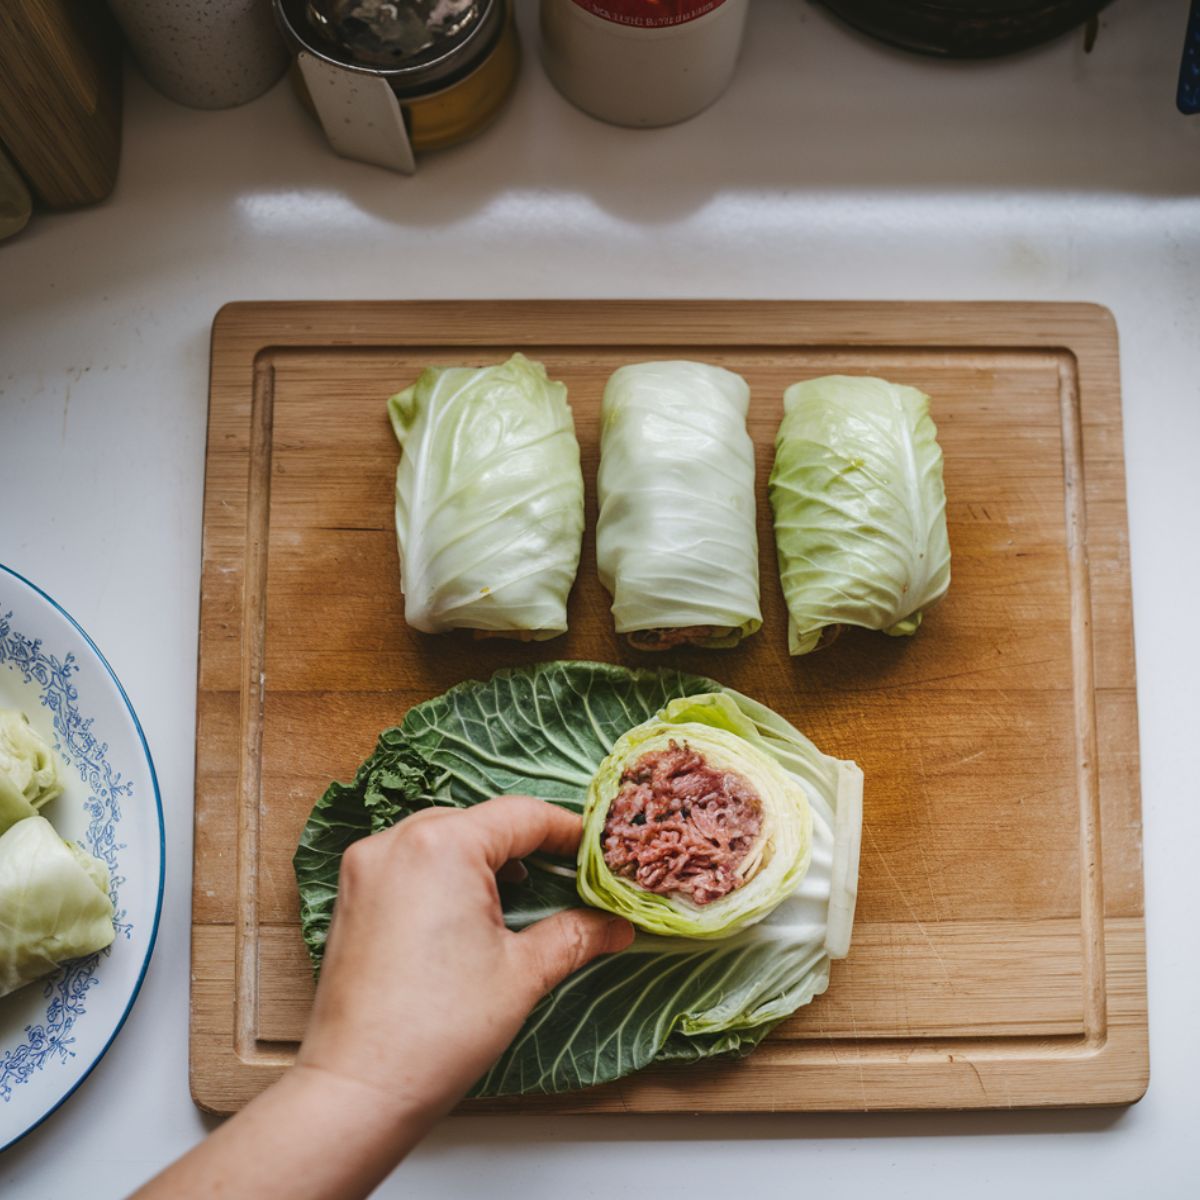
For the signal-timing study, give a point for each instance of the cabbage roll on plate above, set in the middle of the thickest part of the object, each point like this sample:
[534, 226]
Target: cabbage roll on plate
[28, 773]
[676, 543]
[54, 903]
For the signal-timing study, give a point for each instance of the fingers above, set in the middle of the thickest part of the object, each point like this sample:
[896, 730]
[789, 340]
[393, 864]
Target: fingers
[554, 948]
[515, 826]
[505, 828]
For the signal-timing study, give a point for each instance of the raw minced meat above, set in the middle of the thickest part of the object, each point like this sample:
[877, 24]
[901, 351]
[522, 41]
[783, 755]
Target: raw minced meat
[679, 826]
[665, 639]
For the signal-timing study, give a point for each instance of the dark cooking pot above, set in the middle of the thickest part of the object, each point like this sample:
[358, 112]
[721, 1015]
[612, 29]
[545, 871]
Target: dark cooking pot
[965, 28]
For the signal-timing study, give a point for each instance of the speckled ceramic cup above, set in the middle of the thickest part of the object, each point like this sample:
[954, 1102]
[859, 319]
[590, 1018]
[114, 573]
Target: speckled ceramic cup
[204, 53]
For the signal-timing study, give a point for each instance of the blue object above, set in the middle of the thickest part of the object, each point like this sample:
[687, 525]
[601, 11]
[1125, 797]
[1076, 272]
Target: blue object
[1188, 98]
[84, 1004]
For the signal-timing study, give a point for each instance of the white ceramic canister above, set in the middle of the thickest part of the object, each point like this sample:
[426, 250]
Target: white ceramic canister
[642, 62]
[207, 55]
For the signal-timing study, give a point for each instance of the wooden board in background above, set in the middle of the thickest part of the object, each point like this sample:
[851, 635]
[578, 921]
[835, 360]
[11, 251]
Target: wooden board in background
[60, 97]
[998, 955]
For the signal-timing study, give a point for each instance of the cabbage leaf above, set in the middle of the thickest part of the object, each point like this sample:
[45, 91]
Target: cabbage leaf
[544, 731]
[489, 499]
[860, 509]
[676, 541]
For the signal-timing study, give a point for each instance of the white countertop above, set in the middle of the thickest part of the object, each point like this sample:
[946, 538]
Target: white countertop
[833, 168]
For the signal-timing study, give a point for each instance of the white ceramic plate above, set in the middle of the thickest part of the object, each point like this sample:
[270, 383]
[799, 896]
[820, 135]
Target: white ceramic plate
[53, 1032]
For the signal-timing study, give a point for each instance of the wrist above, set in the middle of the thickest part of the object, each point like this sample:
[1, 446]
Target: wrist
[314, 1135]
[357, 1116]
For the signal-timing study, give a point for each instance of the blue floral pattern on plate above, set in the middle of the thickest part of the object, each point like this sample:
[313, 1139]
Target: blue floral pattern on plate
[66, 990]
[54, 1032]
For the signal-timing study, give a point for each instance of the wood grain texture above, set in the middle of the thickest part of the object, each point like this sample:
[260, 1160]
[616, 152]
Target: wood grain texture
[60, 97]
[998, 956]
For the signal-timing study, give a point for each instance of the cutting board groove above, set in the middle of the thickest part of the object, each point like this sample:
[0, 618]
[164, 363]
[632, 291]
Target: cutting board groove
[998, 957]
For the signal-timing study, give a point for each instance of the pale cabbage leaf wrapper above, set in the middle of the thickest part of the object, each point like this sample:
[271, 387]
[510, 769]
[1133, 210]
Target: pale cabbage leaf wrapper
[28, 772]
[54, 903]
[544, 731]
[859, 507]
[676, 542]
[489, 500]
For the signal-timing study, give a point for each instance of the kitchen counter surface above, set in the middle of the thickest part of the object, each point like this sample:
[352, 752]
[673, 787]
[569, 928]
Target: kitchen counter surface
[833, 168]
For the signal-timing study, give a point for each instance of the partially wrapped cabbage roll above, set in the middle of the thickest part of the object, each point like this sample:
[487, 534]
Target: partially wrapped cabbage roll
[699, 823]
[676, 544]
[489, 500]
[28, 773]
[54, 903]
[860, 509]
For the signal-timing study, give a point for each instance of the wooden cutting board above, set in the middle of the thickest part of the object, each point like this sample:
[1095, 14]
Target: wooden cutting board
[998, 955]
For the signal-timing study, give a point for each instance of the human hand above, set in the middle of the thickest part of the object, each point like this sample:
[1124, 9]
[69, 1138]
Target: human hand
[421, 989]
[422, 986]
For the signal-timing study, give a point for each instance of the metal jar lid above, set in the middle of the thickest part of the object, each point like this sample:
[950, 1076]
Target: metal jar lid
[418, 46]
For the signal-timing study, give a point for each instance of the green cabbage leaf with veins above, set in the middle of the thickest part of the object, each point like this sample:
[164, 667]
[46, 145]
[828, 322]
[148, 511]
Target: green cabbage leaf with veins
[547, 731]
[489, 500]
[859, 507]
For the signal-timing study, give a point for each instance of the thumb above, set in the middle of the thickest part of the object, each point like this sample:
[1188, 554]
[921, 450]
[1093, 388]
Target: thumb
[563, 943]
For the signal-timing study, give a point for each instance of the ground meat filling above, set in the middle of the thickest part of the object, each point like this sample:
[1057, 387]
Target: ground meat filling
[664, 639]
[679, 826]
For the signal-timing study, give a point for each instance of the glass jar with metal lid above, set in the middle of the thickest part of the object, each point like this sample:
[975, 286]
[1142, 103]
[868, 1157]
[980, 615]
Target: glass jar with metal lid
[387, 78]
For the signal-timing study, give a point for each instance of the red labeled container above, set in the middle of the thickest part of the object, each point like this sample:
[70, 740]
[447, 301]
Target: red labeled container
[642, 62]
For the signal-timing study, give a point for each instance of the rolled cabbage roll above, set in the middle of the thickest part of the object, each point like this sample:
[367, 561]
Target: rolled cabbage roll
[859, 507]
[676, 544]
[54, 903]
[699, 822]
[489, 500]
[28, 772]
